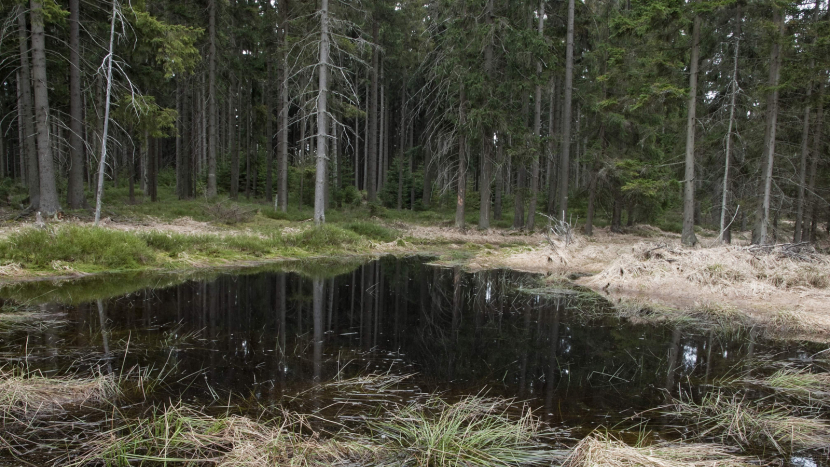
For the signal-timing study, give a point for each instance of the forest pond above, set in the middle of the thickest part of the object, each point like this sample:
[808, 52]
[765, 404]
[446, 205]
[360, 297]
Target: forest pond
[272, 335]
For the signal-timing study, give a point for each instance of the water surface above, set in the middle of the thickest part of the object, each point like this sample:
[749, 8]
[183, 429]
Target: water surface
[272, 335]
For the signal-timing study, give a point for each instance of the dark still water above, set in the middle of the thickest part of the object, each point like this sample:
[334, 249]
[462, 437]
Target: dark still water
[268, 336]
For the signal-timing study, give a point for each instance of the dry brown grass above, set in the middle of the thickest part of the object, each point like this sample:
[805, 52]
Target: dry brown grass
[800, 383]
[746, 423]
[603, 450]
[30, 394]
[181, 435]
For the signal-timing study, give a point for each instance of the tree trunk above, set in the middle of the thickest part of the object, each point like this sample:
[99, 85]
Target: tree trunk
[592, 195]
[371, 175]
[282, 184]
[49, 204]
[805, 151]
[322, 125]
[102, 163]
[728, 154]
[152, 167]
[212, 141]
[564, 158]
[809, 232]
[802, 168]
[688, 237]
[269, 135]
[75, 187]
[616, 215]
[26, 119]
[759, 235]
[462, 160]
[497, 202]
[235, 147]
[249, 107]
[549, 172]
[537, 131]
[426, 196]
[487, 138]
[401, 145]
[179, 132]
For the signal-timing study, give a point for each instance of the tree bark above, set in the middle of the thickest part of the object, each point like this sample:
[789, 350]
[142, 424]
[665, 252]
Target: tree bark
[549, 172]
[802, 168]
[537, 131]
[487, 138]
[688, 237]
[371, 175]
[322, 125]
[426, 196]
[269, 135]
[759, 235]
[808, 230]
[728, 154]
[401, 145]
[282, 184]
[564, 158]
[212, 141]
[75, 187]
[49, 204]
[462, 160]
[26, 118]
[235, 147]
[102, 163]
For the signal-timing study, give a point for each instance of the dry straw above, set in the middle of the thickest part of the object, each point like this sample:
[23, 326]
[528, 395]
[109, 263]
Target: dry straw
[603, 450]
[29, 394]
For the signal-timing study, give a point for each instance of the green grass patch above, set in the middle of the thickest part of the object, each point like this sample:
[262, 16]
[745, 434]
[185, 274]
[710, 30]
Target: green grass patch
[373, 231]
[89, 246]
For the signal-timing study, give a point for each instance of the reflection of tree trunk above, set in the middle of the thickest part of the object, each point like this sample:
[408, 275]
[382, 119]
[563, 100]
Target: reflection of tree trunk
[281, 305]
[672, 359]
[524, 344]
[553, 363]
[709, 344]
[319, 296]
[377, 308]
[456, 320]
[102, 318]
[366, 315]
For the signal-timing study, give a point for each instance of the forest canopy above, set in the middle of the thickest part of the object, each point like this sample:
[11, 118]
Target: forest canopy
[676, 113]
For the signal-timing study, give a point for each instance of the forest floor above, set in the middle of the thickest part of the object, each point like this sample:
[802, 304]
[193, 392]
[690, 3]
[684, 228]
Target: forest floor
[644, 272]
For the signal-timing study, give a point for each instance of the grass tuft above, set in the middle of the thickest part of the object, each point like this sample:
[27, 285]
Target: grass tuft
[474, 431]
[748, 424]
[810, 388]
[40, 248]
[373, 231]
[29, 394]
[182, 435]
[603, 450]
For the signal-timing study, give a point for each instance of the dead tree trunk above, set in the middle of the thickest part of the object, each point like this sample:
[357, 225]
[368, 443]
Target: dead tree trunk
[322, 125]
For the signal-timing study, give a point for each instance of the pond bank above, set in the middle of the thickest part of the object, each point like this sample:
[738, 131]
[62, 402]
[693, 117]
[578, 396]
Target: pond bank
[646, 273]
